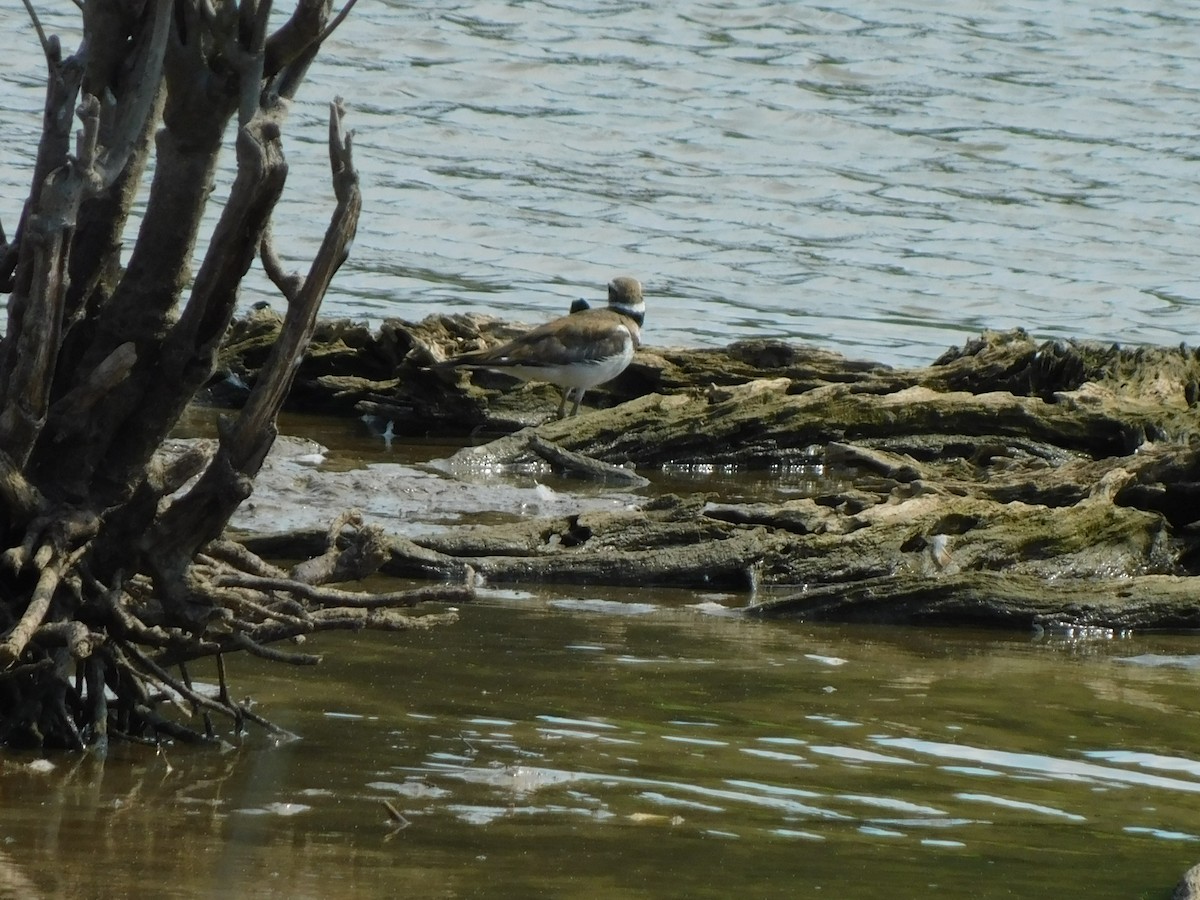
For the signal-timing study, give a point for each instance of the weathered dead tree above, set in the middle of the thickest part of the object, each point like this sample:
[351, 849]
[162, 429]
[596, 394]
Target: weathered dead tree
[114, 574]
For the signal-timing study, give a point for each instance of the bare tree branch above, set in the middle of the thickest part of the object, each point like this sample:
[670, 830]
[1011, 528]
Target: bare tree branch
[146, 69]
[33, 349]
[51, 50]
[292, 40]
[62, 87]
[289, 283]
[332, 597]
[199, 517]
[14, 642]
[20, 498]
[73, 409]
[113, 571]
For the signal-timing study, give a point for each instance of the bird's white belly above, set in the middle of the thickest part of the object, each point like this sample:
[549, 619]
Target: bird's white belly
[580, 373]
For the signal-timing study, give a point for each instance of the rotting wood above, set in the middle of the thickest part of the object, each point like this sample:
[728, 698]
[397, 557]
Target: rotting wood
[1061, 463]
[993, 599]
[355, 370]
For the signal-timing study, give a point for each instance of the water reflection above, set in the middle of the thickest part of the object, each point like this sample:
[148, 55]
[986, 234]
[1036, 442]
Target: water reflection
[628, 743]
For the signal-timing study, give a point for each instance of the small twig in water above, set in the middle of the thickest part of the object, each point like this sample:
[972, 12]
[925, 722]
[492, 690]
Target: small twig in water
[397, 818]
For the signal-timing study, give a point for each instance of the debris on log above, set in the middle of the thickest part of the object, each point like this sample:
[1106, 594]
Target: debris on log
[1010, 483]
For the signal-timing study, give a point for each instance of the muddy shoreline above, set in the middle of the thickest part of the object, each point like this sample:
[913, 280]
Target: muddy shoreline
[1010, 483]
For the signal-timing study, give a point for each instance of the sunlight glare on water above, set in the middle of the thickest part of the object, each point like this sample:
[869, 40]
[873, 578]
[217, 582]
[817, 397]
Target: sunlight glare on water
[885, 180]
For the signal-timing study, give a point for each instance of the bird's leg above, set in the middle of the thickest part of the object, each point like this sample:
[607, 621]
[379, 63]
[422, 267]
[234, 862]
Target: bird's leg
[562, 405]
[578, 400]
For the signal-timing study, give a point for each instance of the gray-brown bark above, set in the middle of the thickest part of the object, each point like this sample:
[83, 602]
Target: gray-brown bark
[113, 570]
[1010, 483]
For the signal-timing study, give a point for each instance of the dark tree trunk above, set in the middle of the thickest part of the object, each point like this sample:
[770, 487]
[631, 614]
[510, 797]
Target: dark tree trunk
[111, 572]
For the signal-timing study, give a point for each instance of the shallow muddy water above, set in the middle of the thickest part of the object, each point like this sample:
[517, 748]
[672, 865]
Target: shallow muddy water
[584, 744]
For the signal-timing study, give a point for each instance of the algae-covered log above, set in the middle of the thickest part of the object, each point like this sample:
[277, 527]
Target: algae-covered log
[386, 372]
[949, 492]
[991, 599]
[870, 548]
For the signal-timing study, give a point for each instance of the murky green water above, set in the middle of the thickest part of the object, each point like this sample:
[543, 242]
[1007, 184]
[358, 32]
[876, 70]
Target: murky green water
[641, 744]
[885, 180]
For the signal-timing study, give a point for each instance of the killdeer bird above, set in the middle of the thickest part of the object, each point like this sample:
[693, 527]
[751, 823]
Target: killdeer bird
[575, 352]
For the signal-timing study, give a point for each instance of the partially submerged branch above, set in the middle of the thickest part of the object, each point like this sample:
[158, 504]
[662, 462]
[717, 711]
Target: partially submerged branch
[113, 566]
[202, 514]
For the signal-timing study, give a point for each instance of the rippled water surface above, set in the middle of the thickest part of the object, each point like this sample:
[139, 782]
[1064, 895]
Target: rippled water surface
[601, 745]
[881, 179]
[590, 742]
[884, 179]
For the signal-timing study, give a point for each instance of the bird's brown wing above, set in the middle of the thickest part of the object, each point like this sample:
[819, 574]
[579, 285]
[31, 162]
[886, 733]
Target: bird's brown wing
[582, 335]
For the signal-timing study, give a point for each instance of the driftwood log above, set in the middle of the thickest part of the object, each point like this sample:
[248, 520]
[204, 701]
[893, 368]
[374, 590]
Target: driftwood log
[1012, 482]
